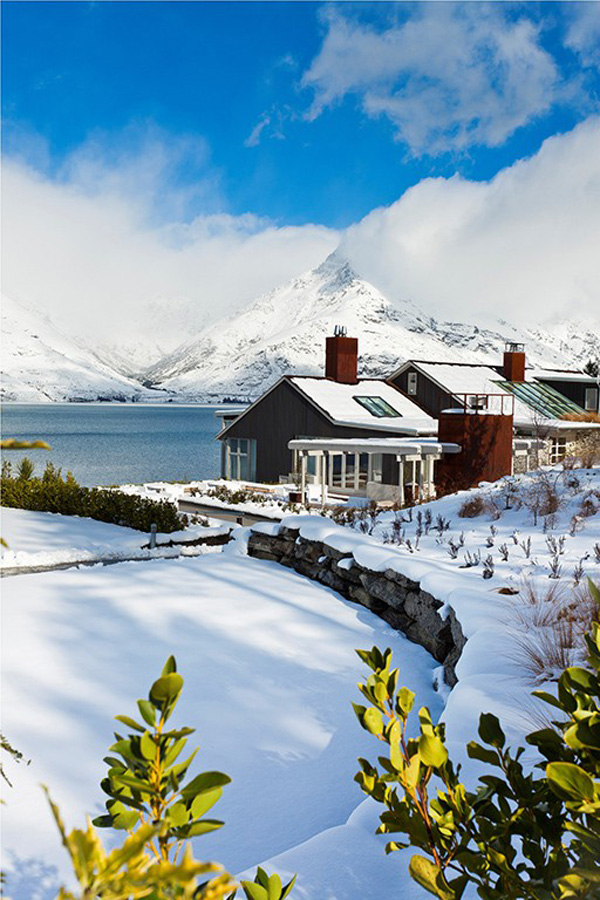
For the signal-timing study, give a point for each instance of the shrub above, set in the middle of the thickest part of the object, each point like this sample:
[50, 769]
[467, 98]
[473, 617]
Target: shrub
[472, 507]
[53, 493]
[151, 800]
[518, 835]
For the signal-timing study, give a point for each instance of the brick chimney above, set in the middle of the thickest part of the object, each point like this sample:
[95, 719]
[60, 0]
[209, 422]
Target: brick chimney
[341, 357]
[513, 368]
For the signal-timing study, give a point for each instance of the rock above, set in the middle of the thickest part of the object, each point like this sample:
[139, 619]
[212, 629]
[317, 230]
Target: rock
[388, 591]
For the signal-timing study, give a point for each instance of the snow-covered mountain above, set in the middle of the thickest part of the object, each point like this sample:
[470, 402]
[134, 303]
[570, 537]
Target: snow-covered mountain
[39, 363]
[281, 332]
[284, 331]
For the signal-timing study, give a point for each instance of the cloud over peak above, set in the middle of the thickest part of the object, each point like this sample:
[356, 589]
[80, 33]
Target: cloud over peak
[522, 247]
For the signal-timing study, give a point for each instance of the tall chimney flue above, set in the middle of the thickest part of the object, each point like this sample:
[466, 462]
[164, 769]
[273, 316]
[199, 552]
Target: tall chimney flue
[513, 368]
[341, 357]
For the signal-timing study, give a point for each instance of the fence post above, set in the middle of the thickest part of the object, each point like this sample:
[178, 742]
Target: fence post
[153, 536]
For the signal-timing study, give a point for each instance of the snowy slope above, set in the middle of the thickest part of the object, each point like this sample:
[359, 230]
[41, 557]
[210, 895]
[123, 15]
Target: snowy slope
[39, 363]
[284, 331]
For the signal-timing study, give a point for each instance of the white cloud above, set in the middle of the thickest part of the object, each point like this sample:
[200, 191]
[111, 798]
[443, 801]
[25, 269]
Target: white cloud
[523, 247]
[108, 246]
[583, 33]
[452, 76]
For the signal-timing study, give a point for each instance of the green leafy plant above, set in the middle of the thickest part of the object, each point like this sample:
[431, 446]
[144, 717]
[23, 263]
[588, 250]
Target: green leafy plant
[152, 799]
[54, 493]
[519, 834]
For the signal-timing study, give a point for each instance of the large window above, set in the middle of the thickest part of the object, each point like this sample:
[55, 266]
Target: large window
[378, 407]
[591, 399]
[240, 459]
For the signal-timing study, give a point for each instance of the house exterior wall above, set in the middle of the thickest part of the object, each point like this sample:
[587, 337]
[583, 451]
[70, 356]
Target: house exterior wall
[429, 396]
[284, 414]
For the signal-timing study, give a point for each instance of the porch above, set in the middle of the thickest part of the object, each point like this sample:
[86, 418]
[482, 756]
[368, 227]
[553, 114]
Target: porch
[361, 466]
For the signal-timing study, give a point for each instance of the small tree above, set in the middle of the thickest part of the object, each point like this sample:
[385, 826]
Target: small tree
[518, 835]
[151, 800]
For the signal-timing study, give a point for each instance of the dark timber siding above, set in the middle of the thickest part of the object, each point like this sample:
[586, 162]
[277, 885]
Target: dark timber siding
[429, 396]
[281, 416]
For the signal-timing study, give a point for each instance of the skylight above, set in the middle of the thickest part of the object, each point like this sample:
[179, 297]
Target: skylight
[378, 407]
[541, 397]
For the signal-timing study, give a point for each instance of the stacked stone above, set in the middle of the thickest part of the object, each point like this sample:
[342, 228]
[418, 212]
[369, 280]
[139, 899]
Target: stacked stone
[389, 594]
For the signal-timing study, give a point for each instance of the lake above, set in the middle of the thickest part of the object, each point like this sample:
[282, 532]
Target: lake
[118, 443]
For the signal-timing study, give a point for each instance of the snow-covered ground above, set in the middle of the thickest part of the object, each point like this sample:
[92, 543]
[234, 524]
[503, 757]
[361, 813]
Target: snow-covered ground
[270, 671]
[48, 539]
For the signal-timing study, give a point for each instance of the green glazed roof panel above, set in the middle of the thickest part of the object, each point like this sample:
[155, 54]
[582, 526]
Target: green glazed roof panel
[542, 398]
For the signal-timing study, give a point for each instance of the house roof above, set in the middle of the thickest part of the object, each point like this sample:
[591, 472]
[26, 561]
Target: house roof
[338, 401]
[531, 397]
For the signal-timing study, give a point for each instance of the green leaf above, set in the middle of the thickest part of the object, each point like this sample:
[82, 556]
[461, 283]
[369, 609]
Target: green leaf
[169, 666]
[427, 874]
[569, 781]
[131, 723]
[206, 781]
[254, 891]
[476, 751]
[178, 814]
[166, 689]
[405, 701]
[147, 711]
[373, 721]
[202, 827]
[490, 731]
[203, 802]
[147, 746]
[432, 751]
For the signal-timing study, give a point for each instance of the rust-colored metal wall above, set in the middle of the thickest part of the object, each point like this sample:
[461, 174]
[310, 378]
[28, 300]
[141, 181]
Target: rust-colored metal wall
[341, 359]
[486, 455]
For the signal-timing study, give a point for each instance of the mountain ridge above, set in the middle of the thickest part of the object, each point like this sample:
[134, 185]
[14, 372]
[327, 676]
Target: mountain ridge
[282, 331]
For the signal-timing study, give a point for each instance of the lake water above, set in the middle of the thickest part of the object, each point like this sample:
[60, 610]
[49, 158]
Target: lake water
[118, 443]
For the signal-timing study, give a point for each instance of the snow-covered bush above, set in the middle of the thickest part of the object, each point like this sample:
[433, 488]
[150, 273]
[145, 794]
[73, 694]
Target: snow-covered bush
[53, 493]
[518, 835]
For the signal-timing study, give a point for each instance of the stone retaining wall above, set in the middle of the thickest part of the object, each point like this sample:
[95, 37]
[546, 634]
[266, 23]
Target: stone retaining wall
[390, 595]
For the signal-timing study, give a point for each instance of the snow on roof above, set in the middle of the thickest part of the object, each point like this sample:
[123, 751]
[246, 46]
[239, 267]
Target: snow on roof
[475, 379]
[558, 375]
[398, 446]
[339, 402]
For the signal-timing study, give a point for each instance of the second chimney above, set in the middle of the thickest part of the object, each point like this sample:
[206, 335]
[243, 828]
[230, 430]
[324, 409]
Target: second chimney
[341, 357]
[513, 368]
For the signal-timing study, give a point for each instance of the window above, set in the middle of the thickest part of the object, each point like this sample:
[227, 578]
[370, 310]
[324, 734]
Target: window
[377, 468]
[591, 399]
[240, 459]
[412, 383]
[477, 401]
[558, 449]
[378, 407]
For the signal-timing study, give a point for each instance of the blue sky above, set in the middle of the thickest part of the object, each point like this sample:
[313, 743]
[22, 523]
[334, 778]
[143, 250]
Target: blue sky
[165, 163]
[279, 110]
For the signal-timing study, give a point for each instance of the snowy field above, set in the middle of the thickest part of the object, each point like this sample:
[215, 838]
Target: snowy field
[49, 539]
[268, 659]
[270, 670]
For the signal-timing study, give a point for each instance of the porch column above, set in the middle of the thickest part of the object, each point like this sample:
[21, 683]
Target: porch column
[303, 457]
[422, 463]
[324, 459]
[400, 480]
